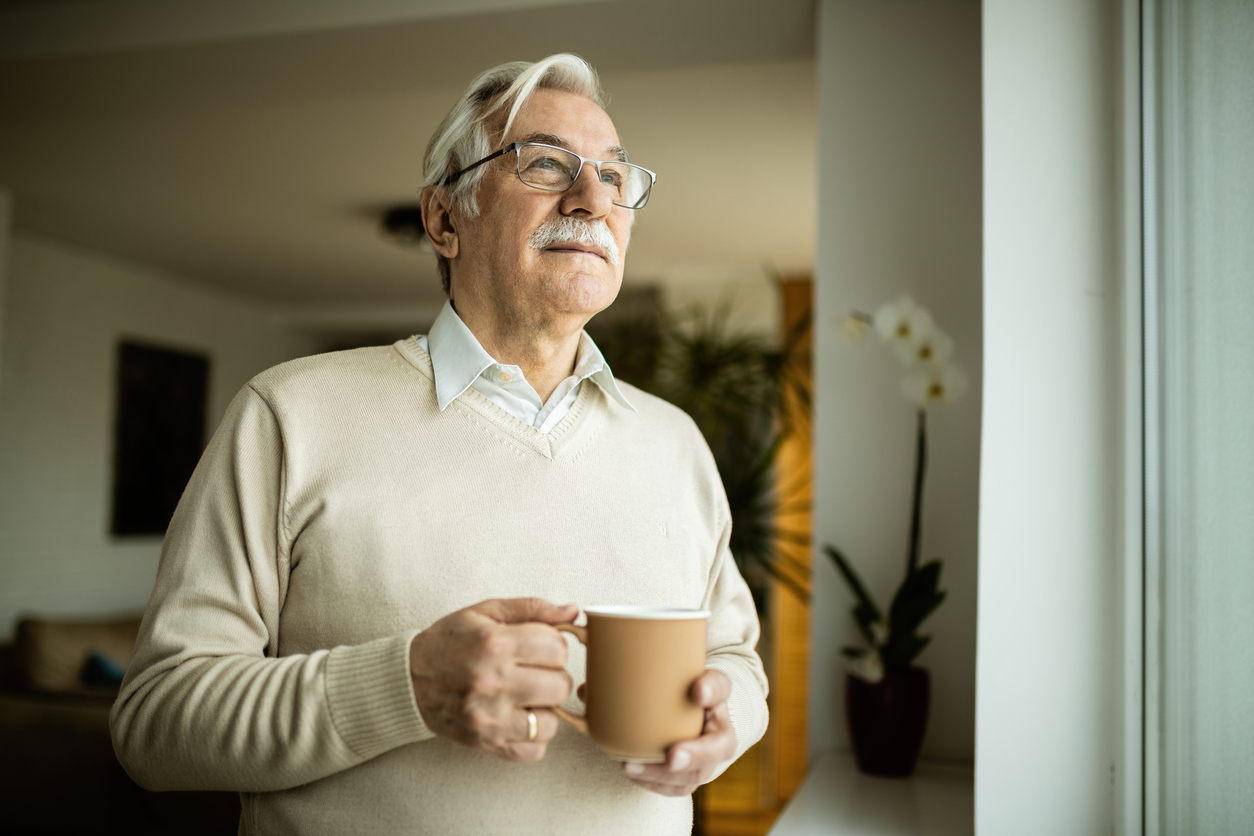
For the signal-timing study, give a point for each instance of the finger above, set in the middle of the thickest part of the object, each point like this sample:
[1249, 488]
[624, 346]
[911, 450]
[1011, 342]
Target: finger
[652, 773]
[582, 692]
[522, 610]
[526, 751]
[538, 686]
[673, 790]
[546, 725]
[523, 752]
[659, 779]
[716, 744]
[706, 752]
[537, 645]
[710, 688]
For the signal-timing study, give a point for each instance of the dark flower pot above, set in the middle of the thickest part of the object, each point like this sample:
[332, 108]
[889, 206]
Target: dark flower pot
[887, 720]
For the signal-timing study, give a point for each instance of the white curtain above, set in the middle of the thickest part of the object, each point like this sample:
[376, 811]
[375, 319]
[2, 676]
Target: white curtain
[1200, 417]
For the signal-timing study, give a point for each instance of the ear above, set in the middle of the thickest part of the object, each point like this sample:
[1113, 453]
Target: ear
[438, 221]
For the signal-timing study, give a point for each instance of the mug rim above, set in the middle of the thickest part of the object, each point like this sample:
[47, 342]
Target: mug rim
[646, 612]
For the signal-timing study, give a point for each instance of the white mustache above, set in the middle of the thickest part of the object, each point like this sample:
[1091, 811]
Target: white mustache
[568, 229]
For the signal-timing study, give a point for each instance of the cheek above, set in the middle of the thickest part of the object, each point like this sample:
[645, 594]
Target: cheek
[511, 243]
[622, 232]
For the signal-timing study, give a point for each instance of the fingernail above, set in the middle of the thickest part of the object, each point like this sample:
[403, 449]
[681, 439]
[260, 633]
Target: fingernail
[634, 769]
[680, 761]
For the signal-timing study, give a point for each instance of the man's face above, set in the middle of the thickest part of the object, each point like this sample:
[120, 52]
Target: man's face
[565, 279]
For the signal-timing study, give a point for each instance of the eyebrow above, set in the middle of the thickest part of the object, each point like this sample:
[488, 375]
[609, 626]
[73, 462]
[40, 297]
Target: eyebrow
[616, 151]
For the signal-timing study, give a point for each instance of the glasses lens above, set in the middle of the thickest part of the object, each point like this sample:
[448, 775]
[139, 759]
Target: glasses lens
[544, 167]
[555, 169]
[629, 182]
[633, 182]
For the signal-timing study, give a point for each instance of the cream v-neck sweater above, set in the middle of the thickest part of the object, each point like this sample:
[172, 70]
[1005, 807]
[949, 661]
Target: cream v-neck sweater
[335, 514]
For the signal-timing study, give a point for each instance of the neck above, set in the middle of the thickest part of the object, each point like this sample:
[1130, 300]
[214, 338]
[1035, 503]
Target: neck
[545, 348]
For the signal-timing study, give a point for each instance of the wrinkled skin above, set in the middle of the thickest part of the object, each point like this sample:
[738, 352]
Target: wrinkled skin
[476, 672]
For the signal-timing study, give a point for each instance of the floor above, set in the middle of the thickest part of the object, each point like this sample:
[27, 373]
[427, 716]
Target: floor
[837, 800]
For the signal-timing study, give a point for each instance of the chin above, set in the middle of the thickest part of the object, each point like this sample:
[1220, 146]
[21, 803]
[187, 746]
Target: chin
[587, 293]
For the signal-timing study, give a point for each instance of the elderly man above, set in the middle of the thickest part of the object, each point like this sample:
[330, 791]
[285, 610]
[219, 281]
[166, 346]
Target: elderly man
[351, 620]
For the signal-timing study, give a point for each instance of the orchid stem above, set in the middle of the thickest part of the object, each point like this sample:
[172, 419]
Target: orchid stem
[916, 513]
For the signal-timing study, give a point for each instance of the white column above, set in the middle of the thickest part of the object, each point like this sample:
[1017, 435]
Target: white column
[1052, 469]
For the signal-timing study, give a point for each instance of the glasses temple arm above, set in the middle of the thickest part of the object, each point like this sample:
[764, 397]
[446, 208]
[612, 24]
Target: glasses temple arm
[452, 178]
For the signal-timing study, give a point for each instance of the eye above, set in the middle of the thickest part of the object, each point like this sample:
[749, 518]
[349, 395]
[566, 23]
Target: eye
[552, 164]
[610, 177]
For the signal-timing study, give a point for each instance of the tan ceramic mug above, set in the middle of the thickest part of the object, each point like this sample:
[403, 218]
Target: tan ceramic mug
[642, 662]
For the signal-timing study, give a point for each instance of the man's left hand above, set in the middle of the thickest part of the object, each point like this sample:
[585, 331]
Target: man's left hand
[691, 763]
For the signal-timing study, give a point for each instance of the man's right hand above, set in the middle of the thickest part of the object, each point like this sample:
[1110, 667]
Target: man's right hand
[477, 671]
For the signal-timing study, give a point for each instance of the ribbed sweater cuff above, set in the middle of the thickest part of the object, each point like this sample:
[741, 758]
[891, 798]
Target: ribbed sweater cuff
[371, 697]
[746, 706]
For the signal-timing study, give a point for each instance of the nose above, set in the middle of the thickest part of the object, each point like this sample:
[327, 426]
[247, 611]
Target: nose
[588, 196]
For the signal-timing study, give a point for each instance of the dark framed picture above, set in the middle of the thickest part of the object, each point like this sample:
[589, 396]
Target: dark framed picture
[159, 434]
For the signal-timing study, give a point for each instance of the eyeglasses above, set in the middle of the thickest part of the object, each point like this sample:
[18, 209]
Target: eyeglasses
[553, 169]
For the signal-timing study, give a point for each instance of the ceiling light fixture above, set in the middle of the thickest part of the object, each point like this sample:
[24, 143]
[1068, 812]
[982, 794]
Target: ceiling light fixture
[403, 225]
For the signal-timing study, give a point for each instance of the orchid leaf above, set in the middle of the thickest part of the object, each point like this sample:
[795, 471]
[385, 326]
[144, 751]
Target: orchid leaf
[900, 652]
[917, 598]
[865, 612]
[846, 570]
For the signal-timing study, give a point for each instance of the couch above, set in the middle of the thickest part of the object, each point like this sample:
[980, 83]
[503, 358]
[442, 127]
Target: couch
[58, 773]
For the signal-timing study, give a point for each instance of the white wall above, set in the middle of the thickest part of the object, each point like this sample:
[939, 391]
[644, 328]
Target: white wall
[750, 297]
[64, 312]
[1051, 510]
[899, 210]
[6, 232]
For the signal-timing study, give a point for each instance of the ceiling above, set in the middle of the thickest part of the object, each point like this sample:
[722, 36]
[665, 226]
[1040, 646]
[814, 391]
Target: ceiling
[254, 152]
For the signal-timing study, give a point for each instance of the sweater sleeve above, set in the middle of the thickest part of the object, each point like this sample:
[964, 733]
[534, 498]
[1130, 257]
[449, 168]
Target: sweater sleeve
[207, 702]
[733, 635]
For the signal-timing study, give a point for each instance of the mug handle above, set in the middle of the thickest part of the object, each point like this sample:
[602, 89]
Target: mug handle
[575, 721]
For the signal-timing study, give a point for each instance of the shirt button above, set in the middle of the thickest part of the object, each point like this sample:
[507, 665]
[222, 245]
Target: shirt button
[505, 377]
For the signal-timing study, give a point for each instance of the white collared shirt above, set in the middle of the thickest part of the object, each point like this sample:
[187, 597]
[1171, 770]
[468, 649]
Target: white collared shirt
[461, 363]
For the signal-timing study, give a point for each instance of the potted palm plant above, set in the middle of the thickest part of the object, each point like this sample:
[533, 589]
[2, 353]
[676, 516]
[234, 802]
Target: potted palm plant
[887, 694]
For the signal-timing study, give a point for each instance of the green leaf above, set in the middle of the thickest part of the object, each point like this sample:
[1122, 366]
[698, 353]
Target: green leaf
[865, 612]
[865, 602]
[865, 618]
[851, 652]
[916, 599]
[900, 652]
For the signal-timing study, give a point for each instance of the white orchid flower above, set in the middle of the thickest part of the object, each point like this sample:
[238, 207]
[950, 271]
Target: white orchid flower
[928, 384]
[903, 321]
[935, 349]
[868, 666]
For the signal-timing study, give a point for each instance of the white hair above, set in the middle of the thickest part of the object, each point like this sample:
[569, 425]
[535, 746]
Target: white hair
[463, 138]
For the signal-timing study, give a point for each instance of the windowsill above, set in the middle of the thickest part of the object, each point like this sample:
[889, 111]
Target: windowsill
[837, 800]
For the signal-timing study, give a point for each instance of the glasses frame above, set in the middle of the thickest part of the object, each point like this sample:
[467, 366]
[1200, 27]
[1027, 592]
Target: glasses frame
[514, 146]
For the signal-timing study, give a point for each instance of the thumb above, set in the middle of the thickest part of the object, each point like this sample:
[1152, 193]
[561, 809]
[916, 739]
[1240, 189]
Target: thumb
[523, 610]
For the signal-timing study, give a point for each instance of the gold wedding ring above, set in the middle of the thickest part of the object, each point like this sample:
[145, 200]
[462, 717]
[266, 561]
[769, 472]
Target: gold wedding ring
[532, 726]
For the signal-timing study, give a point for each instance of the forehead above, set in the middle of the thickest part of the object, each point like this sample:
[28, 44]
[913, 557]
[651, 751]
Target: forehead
[578, 122]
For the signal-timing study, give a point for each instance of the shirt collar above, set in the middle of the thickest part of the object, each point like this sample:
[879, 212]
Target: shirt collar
[591, 364]
[457, 359]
